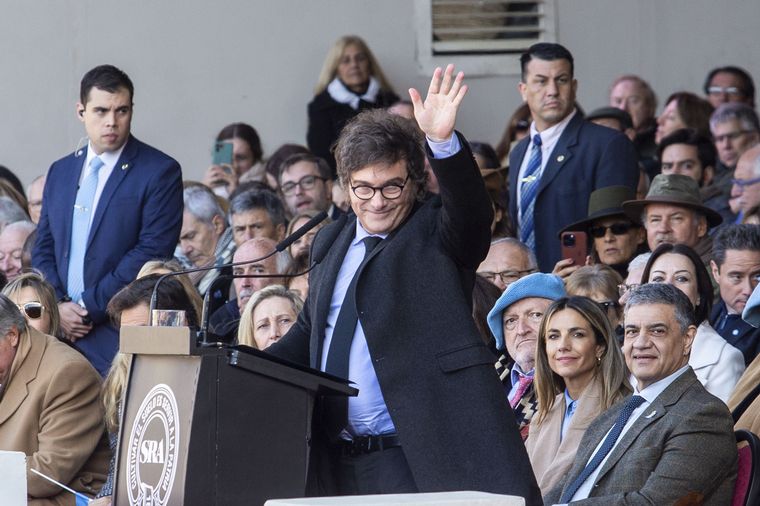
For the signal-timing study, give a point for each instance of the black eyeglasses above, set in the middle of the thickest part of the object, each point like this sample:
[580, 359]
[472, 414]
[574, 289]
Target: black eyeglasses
[506, 277]
[32, 310]
[306, 183]
[616, 228]
[388, 191]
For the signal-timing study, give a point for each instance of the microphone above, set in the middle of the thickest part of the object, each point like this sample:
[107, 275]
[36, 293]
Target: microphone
[282, 245]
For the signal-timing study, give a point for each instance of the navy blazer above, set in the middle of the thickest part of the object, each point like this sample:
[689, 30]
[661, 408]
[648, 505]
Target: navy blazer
[587, 157]
[138, 218]
[414, 298]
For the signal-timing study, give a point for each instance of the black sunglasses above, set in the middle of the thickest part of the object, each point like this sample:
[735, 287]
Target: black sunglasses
[616, 228]
[32, 310]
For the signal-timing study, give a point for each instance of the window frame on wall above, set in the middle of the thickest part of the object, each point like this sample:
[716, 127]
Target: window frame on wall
[480, 56]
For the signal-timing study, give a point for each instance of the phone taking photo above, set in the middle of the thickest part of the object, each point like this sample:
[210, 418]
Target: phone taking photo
[574, 245]
[222, 154]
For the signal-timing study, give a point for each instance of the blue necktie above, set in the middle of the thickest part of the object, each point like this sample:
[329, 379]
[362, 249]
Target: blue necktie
[336, 407]
[609, 442]
[80, 229]
[528, 190]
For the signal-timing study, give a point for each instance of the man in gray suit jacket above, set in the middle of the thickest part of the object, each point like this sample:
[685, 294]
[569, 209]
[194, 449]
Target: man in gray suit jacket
[671, 441]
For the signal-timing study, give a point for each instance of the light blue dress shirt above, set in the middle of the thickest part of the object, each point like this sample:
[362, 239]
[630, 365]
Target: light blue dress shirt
[570, 406]
[367, 412]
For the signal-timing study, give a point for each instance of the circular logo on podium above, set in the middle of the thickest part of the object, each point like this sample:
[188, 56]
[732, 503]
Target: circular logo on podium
[153, 447]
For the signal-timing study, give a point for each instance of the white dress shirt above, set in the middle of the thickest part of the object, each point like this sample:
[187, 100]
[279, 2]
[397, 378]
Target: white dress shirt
[109, 159]
[649, 394]
[367, 412]
[549, 139]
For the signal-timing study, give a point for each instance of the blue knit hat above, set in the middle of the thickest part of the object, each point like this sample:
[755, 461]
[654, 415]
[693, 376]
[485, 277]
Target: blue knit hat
[538, 284]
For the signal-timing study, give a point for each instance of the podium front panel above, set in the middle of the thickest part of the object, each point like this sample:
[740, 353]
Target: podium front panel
[155, 430]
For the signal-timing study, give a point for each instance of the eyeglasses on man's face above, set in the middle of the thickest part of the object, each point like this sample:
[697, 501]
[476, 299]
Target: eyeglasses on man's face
[534, 318]
[506, 277]
[731, 91]
[389, 191]
[743, 183]
[306, 183]
[730, 136]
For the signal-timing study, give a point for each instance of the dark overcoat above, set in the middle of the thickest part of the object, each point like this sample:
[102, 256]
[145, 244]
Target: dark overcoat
[414, 303]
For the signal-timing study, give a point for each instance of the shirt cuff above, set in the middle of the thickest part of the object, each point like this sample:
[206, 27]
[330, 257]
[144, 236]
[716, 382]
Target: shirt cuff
[445, 148]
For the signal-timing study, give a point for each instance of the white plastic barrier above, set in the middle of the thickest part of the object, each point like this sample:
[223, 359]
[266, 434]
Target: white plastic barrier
[440, 498]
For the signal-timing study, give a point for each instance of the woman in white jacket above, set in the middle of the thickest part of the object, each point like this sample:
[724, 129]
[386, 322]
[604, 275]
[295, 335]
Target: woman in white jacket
[717, 364]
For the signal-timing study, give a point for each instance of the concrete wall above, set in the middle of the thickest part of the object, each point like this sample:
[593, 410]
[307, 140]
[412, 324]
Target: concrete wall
[200, 65]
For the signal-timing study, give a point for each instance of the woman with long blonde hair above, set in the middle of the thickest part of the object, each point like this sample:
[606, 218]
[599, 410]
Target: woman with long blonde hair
[580, 373]
[351, 81]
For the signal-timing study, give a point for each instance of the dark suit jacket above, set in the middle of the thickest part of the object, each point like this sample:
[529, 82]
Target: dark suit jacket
[687, 448]
[138, 218]
[414, 303]
[587, 157]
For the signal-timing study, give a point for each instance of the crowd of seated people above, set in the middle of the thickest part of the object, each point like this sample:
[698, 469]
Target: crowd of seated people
[591, 354]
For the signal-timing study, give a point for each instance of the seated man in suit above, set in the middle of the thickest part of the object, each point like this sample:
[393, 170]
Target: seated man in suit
[514, 322]
[671, 441]
[736, 269]
[389, 308]
[306, 185]
[50, 410]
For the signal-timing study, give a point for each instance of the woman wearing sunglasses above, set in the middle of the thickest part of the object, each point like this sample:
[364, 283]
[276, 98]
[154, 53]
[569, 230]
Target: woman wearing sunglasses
[614, 239]
[35, 298]
[580, 373]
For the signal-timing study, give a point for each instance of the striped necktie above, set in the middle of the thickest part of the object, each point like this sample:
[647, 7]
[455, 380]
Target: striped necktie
[528, 190]
[80, 229]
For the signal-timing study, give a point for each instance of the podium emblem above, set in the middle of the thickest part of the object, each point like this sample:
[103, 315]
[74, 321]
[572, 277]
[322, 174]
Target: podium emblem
[152, 449]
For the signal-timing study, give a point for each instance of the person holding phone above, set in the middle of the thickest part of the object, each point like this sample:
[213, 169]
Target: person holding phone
[613, 238]
[236, 156]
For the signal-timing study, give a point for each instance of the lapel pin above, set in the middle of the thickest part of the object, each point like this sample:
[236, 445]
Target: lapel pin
[561, 158]
[650, 415]
[125, 166]
[79, 153]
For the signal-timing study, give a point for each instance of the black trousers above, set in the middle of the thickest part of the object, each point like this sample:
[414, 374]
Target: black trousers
[379, 472]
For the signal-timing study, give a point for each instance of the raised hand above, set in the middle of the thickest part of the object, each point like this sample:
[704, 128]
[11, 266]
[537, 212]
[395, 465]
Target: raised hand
[437, 115]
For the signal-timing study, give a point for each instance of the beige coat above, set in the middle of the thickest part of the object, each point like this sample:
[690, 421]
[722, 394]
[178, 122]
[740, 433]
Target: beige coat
[51, 411]
[550, 458]
[750, 420]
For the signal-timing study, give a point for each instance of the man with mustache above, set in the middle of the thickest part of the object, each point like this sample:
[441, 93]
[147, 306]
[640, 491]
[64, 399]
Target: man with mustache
[224, 321]
[563, 159]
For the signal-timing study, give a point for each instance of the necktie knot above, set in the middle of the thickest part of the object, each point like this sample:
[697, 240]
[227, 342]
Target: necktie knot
[537, 140]
[634, 402]
[95, 164]
[370, 243]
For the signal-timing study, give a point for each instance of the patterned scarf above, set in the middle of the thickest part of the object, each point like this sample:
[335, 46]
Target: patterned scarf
[528, 405]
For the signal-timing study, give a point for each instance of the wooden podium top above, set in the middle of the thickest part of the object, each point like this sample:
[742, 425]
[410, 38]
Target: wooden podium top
[157, 340]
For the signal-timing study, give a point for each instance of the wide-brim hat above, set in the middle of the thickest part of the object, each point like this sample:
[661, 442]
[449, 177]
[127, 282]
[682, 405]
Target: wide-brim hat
[603, 203]
[538, 284]
[613, 113]
[674, 189]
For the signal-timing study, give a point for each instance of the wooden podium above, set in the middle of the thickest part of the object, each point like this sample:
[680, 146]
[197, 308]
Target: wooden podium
[212, 425]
